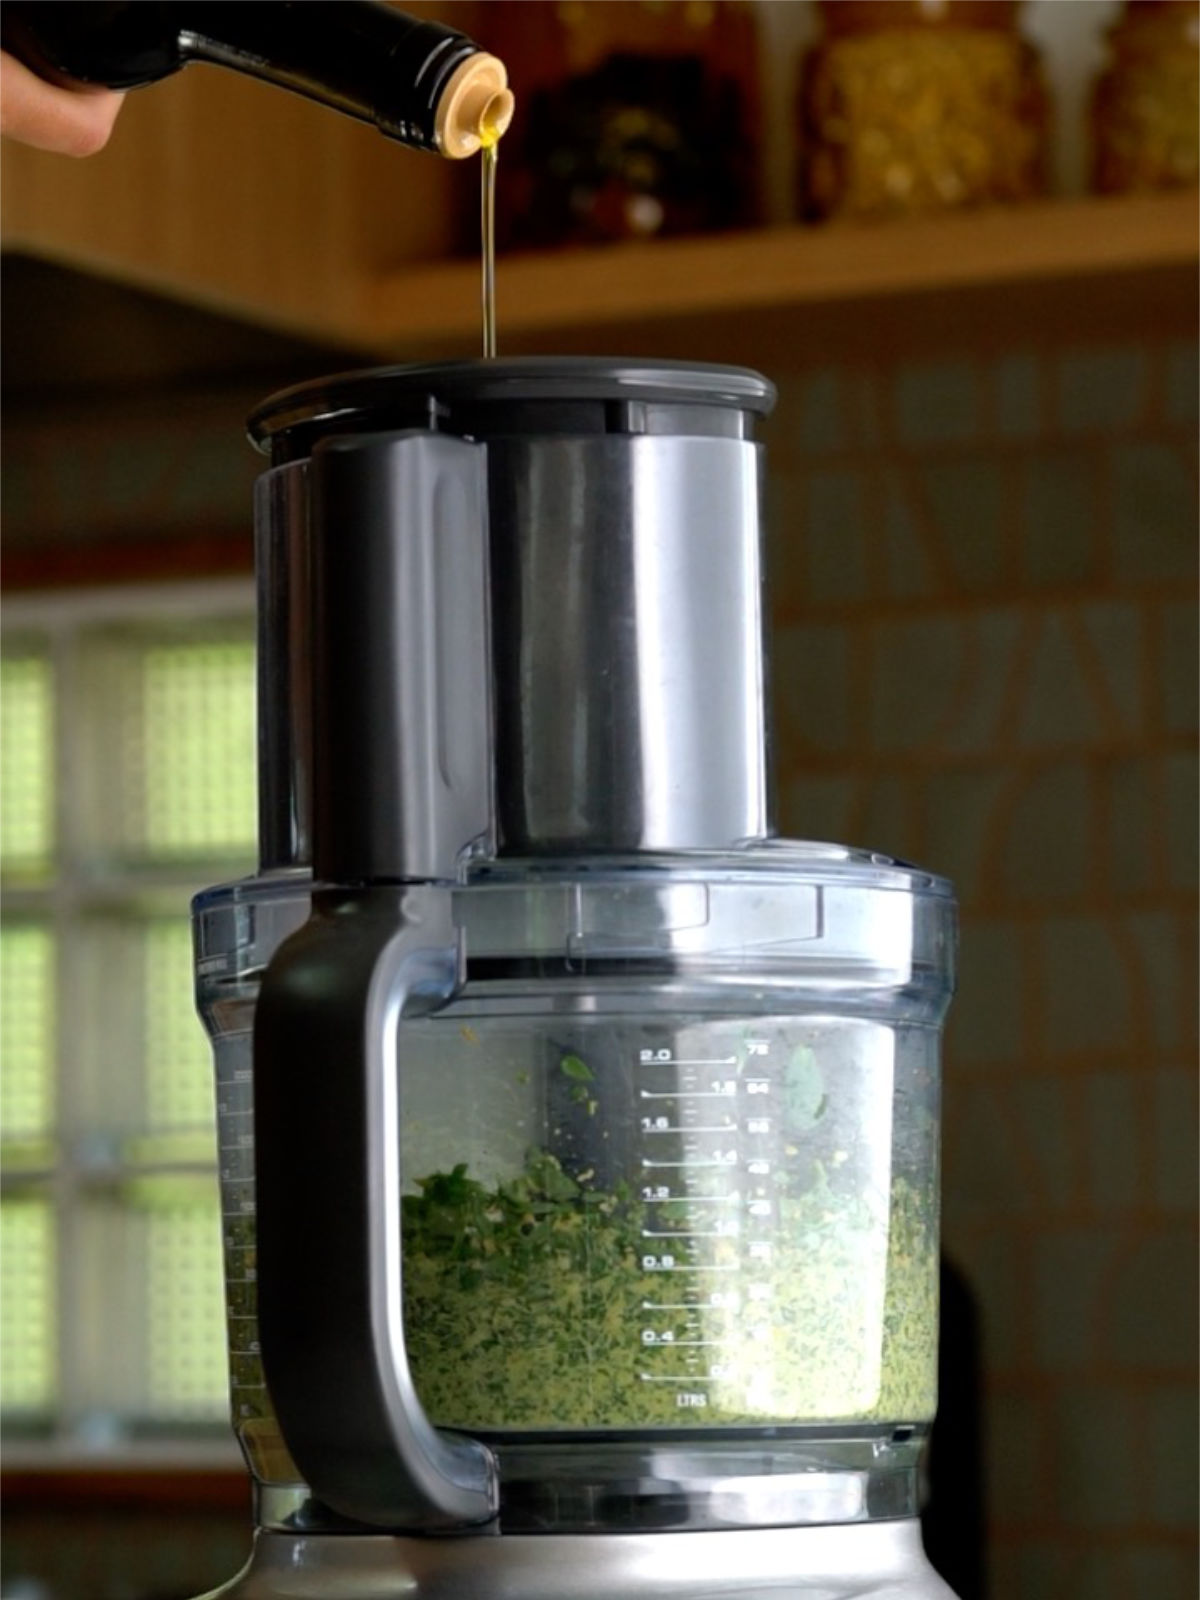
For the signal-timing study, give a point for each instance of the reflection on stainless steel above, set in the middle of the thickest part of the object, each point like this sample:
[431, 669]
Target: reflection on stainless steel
[551, 1488]
[613, 1487]
[281, 559]
[628, 642]
[871, 1561]
[628, 646]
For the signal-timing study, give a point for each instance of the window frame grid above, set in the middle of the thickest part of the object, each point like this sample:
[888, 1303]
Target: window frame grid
[75, 889]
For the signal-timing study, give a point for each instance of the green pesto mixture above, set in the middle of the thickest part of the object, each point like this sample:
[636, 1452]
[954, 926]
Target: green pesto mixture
[525, 1307]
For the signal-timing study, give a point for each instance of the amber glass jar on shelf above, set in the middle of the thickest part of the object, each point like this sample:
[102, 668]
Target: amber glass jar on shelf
[1146, 107]
[637, 118]
[920, 105]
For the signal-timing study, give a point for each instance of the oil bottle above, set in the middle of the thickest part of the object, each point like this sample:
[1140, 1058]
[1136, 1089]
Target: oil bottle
[418, 81]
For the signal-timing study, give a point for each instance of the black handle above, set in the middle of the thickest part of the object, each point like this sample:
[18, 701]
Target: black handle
[330, 1303]
[401, 764]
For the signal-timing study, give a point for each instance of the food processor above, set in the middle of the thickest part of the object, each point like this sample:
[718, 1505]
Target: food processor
[579, 1136]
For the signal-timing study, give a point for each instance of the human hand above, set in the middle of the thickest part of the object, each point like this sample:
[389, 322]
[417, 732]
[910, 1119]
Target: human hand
[72, 122]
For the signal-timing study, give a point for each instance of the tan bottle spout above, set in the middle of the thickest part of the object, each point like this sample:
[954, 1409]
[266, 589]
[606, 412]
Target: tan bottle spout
[476, 107]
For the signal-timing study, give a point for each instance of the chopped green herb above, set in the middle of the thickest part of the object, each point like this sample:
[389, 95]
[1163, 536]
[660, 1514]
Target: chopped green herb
[539, 1303]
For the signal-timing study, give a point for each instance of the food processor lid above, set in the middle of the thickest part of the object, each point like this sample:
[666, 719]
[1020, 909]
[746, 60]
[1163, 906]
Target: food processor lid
[526, 394]
[775, 912]
[755, 860]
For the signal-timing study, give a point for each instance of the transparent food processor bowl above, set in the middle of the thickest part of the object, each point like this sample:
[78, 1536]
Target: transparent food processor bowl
[669, 1169]
[617, 1220]
[671, 1158]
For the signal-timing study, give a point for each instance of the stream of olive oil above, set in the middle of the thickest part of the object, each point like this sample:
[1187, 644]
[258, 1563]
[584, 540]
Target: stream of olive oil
[491, 150]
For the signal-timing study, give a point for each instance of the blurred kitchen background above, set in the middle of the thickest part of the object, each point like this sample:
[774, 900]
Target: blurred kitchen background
[962, 238]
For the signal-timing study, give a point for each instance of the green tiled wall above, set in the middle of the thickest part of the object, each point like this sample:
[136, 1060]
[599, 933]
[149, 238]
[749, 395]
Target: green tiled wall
[986, 661]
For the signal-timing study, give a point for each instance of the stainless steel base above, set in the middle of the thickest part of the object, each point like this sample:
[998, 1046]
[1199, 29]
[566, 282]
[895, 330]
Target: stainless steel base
[866, 1561]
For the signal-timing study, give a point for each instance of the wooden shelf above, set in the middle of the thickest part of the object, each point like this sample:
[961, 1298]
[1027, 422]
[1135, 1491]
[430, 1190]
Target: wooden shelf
[345, 243]
[252, 253]
[668, 290]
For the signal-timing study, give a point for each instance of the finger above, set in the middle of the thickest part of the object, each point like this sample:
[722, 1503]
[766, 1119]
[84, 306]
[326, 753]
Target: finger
[72, 122]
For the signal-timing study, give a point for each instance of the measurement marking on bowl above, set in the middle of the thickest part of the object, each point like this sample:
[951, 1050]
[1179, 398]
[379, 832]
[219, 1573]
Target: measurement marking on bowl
[723, 1127]
[688, 1094]
[729, 1160]
[715, 1266]
[681, 1061]
[677, 1233]
[678, 1344]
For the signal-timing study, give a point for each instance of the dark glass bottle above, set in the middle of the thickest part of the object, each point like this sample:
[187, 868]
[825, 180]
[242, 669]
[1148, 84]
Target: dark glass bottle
[418, 81]
[640, 118]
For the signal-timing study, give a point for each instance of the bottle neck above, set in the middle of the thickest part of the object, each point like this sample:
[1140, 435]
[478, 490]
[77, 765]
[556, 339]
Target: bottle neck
[361, 57]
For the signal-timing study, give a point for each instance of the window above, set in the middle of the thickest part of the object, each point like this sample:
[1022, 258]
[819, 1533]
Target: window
[126, 783]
